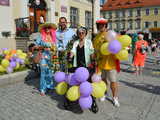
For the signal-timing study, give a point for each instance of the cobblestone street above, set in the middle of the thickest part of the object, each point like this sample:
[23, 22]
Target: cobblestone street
[139, 99]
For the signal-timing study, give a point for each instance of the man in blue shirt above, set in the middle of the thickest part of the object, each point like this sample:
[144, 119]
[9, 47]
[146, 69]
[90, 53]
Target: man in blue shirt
[63, 36]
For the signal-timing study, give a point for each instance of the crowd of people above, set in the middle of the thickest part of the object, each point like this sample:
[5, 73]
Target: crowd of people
[82, 52]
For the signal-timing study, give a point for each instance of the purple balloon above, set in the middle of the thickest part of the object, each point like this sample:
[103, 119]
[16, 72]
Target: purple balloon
[85, 102]
[21, 61]
[73, 80]
[12, 64]
[114, 46]
[85, 89]
[59, 76]
[9, 70]
[18, 60]
[4, 49]
[81, 74]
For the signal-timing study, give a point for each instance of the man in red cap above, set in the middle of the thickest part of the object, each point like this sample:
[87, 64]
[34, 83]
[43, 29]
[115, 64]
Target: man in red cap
[106, 64]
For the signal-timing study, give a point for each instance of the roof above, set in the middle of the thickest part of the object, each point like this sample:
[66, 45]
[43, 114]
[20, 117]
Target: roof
[122, 4]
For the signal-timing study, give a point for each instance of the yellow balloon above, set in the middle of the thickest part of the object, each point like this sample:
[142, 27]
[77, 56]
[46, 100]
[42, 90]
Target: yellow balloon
[19, 52]
[5, 63]
[104, 49]
[17, 66]
[24, 54]
[61, 88]
[97, 91]
[125, 40]
[103, 85]
[2, 69]
[22, 57]
[122, 55]
[6, 52]
[73, 93]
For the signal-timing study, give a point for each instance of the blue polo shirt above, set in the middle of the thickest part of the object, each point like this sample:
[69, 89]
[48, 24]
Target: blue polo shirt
[63, 37]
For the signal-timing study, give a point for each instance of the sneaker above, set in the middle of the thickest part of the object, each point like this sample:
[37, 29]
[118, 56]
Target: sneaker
[103, 98]
[115, 102]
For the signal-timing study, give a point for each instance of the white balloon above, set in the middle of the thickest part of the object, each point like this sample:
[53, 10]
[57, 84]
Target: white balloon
[111, 35]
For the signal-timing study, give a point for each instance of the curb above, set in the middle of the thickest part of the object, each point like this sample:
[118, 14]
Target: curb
[13, 78]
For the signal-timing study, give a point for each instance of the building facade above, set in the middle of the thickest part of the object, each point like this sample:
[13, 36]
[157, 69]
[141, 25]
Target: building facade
[132, 15]
[16, 12]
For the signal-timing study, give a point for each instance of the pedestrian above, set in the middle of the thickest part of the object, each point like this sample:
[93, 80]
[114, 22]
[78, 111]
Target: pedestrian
[140, 53]
[44, 42]
[63, 35]
[107, 64]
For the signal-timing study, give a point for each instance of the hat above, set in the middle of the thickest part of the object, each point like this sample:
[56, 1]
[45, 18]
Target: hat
[101, 21]
[46, 25]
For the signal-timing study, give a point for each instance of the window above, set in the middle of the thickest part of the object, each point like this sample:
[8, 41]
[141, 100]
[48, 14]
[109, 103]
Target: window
[138, 24]
[110, 25]
[74, 17]
[138, 12]
[123, 25]
[110, 15]
[147, 11]
[130, 13]
[130, 26]
[146, 24]
[117, 14]
[88, 19]
[156, 11]
[155, 23]
[123, 13]
[117, 25]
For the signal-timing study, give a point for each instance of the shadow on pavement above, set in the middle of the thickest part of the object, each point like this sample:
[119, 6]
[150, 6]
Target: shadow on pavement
[142, 86]
[32, 79]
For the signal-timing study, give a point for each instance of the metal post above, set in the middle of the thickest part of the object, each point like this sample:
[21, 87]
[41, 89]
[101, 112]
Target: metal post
[35, 20]
[92, 19]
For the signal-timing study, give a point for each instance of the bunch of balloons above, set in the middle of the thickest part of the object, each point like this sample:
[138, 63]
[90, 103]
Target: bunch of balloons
[11, 60]
[116, 45]
[76, 87]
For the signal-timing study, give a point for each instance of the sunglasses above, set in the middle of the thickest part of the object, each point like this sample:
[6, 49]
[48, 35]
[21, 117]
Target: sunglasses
[81, 33]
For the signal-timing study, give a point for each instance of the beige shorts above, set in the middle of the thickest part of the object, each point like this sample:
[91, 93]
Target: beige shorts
[110, 75]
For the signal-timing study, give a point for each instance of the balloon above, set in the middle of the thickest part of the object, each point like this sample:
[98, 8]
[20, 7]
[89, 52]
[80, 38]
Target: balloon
[19, 52]
[114, 46]
[59, 76]
[68, 77]
[6, 52]
[97, 91]
[17, 66]
[24, 54]
[2, 69]
[96, 78]
[85, 102]
[125, 40]
[18, 60]
[12, 64]
[13, 51]
[81, 74]
[111, 35]
[73, 80]
[104, 49]
[4, 49]
[21, 61]
[122, 55]
[103, 85]
[85, 89]
[73, 93]
[61, 88]
[9, 70]
[5, 63]
[7, 57]
[22, 57]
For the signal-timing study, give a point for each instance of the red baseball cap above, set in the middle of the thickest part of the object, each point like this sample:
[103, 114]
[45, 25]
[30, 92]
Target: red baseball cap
[101, 21]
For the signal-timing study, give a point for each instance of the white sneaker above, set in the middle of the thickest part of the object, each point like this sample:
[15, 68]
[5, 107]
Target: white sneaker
[103, 98]
[115, 102]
